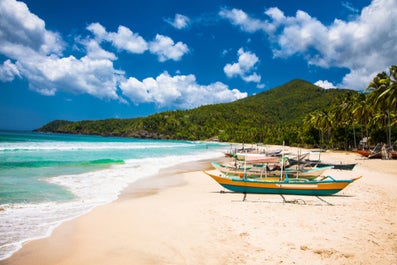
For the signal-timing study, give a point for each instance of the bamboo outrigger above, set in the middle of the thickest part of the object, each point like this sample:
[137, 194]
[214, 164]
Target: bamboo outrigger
[264, 172]
[321, 187]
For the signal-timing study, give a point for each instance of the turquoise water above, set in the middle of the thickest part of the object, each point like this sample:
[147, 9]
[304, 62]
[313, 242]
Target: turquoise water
[46, 179]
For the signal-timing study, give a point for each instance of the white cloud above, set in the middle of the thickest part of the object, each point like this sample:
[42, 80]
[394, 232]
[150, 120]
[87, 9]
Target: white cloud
[99, 31]
[252, 78]
[8, 71]
[260, 86]
[240, 18]
[36, 54]
[324, 84]
[349, 6]
[359, 78]
[179, 22]
[276, 14]
[95, 77]
[21, 29]
[244, 67]
[182, 91]
[95, 51]
[165, 48]
[365, 45]
[299, 34]
[123, 39]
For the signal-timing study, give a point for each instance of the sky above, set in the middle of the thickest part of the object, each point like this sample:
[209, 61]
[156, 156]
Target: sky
[98, 59]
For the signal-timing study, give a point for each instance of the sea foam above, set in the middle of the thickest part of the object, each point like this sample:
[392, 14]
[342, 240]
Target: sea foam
[24, 222]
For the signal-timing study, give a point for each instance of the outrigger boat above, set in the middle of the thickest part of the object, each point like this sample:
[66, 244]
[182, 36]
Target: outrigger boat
[262, 171]
[301, 160]
[318, 163]
[324, 186]
[380, 151]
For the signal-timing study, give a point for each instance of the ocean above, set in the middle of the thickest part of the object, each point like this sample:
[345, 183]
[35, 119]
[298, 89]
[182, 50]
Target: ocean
[46, 179]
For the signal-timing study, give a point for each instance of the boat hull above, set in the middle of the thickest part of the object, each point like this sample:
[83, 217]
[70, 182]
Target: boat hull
[313, 188]
[338, 166]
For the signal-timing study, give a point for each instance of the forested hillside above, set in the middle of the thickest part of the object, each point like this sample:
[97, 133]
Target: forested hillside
[271, 117]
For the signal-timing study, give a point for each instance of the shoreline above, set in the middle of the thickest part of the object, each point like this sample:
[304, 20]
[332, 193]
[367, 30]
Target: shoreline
[179, 216]
[166, 178]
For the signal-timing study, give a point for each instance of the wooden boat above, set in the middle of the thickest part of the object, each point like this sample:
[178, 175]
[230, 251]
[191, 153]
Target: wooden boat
[369, 154]
[307, 162]
[322, 187]
[242, 153]
[263, 171]
[363, 152]
[256, 158]
[316, 163]
[372, 155]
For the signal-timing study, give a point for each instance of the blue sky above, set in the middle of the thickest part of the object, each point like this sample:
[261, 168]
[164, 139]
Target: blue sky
[122, 59]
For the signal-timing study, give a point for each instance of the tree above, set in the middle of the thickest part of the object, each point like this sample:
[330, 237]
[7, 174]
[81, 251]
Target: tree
[384, 95]
[361, 113]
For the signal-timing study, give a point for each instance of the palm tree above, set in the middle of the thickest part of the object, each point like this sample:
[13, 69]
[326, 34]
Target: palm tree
[311, 122]
[325, 122]
[343, 113]
[383, 95]
[361, 113]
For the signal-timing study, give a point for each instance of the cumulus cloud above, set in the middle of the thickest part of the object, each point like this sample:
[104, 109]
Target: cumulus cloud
[36, 54]
[299, 34]
[240, 18]
[179, 21]
[324, 84]
[95, 51]
[50, 74]
[8, 71]
[165, 48]
[20, 29]
[365, 45]
[182, 91]
[244, 68]
[123, 39]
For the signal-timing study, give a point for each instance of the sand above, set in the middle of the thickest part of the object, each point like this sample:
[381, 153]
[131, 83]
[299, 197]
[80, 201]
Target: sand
[181, 217]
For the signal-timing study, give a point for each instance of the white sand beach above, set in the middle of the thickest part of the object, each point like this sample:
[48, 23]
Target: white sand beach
[181, 217]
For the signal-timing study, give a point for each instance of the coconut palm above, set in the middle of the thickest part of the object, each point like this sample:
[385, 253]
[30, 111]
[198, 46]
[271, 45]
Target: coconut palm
[383, 95]
[361, 113]
[348, 113]
[311, 121]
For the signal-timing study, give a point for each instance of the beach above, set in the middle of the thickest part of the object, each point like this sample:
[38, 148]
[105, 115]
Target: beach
[179, 216]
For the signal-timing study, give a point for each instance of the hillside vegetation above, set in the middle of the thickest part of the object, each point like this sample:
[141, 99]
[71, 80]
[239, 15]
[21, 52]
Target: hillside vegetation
[269, 117]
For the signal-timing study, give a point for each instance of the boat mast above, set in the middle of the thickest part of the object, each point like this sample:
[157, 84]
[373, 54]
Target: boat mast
[245, 167]
[282, 163]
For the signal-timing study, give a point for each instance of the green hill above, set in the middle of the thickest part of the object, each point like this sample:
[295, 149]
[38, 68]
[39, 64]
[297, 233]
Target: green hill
[271, 116]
